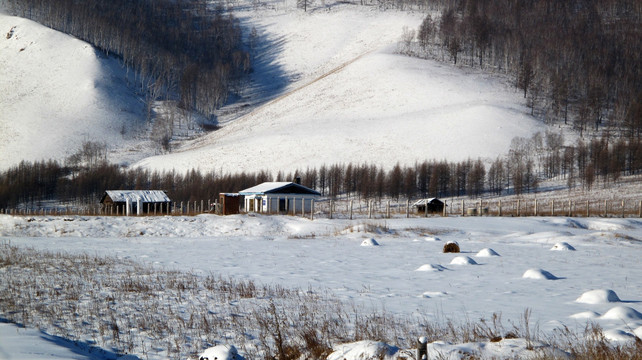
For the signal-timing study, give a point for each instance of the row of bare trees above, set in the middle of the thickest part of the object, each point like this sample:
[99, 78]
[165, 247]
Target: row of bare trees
[521, 171]
[185, 48]
[575, 61]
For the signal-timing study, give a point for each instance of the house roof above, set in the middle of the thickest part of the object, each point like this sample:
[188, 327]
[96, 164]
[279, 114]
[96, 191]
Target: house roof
[147, 196]
[421, 202]
[278, 188]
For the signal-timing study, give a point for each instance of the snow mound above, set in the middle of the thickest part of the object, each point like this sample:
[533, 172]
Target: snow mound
[600, 296]
[604, 225]
[487, 252]
[221, 352]
[432, 238]
[431, 267]
[369, 242]
[463, 260]
[504, 349]
[363, 350]
[638, 332]
[539, 274]
[618, 335]
[431, 294]
[563, 246]
[585, 315]
[624, 313]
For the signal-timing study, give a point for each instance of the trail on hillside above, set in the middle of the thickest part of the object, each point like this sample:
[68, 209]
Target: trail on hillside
[205, 141]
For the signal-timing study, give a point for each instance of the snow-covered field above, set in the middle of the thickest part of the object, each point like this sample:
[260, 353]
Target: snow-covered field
[565, 271]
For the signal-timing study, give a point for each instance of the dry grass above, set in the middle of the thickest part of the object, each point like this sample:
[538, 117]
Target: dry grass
[118, 304]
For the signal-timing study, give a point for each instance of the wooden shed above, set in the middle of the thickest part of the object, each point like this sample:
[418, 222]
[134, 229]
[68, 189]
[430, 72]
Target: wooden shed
[129, 202]
[228, 203]
[431, 205]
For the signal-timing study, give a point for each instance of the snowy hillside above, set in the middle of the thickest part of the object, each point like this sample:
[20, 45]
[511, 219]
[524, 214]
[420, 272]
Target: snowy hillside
[348, 97]
[57, 92]
[327, 87]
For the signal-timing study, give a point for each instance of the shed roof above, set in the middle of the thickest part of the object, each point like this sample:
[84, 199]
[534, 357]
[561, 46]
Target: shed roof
[423, 202]
[279, 187]
[147, 196]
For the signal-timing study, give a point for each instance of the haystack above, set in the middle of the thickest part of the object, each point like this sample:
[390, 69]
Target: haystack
[451, 247]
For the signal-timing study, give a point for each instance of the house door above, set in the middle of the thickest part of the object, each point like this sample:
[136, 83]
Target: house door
[282, 205]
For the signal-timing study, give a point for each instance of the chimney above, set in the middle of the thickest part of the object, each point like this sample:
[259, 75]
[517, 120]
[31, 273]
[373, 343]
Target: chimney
[298, 180]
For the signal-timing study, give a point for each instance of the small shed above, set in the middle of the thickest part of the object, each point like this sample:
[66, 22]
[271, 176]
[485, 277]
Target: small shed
[283, 197]
[138, 202]
[228, 203]
[431, 205]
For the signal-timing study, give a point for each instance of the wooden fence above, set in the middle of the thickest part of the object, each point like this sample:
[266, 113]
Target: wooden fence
[370, 209]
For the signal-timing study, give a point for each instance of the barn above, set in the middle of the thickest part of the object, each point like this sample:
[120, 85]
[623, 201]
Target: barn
[432, 205]
[129, 202]
[279, 197]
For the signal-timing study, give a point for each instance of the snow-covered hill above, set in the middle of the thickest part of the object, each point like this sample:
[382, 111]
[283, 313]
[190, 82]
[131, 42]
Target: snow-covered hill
[57, 92]
[347, 96]
[328, 87]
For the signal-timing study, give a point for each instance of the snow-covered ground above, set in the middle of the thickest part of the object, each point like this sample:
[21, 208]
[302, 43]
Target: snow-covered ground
[565, 271]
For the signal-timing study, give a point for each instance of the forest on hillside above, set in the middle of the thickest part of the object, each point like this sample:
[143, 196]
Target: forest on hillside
[187, 50]
[84, 179]
[576, 61]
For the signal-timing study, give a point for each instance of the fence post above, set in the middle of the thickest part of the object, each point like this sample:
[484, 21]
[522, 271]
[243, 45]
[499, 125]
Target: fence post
[588, 210]
[518, 207]
[351, 209]
[312, 210]
[422, 348]
[407, 208]
[552, 207]
[500, 208]
[570, 208]
[463, 210]
[388, 210]
[622, 208]
[535, 207]
[640, 210]
[606, 207]
[369, 209]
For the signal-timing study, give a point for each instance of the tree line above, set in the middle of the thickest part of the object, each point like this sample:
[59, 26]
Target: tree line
[575, 61]
[85, 178]
[187, 49]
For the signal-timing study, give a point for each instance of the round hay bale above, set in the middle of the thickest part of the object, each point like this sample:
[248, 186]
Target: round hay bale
[451, 247]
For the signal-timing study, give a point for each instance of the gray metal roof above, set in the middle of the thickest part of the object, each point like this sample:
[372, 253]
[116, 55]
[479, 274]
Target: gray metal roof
[147, 196]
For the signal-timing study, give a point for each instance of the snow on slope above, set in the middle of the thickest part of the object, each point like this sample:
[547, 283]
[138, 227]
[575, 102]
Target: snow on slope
[57, 92]
[348, 97]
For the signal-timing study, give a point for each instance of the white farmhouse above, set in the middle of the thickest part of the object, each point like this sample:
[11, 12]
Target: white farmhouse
[283, 197]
